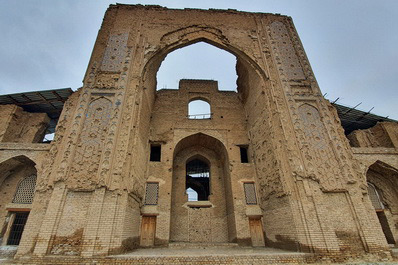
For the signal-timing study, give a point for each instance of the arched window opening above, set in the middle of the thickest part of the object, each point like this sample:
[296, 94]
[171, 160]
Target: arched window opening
[377, 203]
[198, 179]
[198, 61]
[25, 190]
[375, 197]
[199, 110]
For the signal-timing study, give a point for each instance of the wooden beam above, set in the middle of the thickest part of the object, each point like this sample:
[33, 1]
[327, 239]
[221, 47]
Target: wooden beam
[13, 100]
[41, 96]
[26, 98]
[58, 97]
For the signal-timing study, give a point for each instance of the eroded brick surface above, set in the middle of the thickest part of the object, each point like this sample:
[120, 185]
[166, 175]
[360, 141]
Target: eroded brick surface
[311, 185]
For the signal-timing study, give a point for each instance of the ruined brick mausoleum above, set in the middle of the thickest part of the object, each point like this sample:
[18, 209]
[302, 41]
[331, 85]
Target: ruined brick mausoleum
[273, 165]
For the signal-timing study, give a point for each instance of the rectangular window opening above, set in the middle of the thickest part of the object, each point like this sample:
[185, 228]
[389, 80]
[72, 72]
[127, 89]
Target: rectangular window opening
[155, 153]
[151, 194]
[250, 193]
[244, 158]
[17, 228]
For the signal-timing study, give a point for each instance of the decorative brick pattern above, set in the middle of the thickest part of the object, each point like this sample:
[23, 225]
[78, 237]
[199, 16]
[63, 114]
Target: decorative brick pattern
[285, 52]
[319, 157]
[288, 259]
[91, 140]
[115, 52]
[200, 224]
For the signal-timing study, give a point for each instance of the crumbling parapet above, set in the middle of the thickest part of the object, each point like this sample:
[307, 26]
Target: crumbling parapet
[19, 126]
[383, 134]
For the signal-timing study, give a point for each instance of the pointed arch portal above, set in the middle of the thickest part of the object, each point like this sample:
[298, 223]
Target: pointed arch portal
[186, 217]
[201, 164]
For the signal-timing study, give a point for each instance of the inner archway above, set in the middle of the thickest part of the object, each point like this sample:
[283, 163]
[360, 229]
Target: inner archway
[17, 186]
[198, 178]
[382, 189]
[201, 163]
[198, 61]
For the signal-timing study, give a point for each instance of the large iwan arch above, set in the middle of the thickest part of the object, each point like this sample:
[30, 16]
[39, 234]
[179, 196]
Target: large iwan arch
[266, 183]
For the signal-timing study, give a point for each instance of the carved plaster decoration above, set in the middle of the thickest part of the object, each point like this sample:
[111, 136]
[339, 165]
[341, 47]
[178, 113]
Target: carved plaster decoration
[115, 52]
[91, 142]
[106, 80]
[70, 145]
[319, 158]
[285, 53]
[125, 143]
[268, 172]
[64, 123]
[109, 140]
[185, 33]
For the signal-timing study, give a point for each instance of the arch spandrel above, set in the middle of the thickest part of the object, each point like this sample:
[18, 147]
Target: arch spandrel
[383, 166]
[201, 97]
[202, 139]
[385, 160]
[200, 157]
[33, 158]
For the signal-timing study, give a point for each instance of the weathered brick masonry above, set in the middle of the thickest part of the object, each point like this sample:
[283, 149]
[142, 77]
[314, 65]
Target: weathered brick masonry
[116, 174]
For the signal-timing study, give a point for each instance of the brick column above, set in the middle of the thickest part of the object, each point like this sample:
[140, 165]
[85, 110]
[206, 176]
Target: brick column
[51, 219]
[93, 217]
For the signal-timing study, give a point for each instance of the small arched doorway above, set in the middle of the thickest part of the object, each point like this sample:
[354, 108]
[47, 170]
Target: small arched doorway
[201, 164]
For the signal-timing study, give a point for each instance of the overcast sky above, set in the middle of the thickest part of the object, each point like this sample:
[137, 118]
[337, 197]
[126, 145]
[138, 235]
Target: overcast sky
[352, 46]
